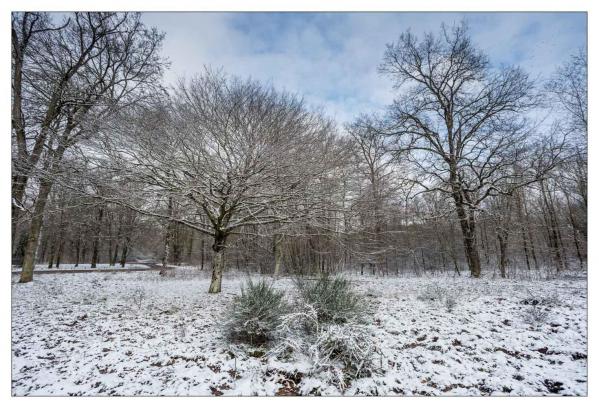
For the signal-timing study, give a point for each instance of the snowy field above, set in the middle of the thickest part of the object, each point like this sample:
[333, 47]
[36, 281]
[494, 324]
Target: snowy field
[138, 334]
[44, 267]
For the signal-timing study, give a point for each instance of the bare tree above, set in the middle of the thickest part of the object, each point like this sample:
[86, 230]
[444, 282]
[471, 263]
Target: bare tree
[454, 174]
[235, 154]
[460, 124]
[377, 184]
[67, 79]
[569, 87]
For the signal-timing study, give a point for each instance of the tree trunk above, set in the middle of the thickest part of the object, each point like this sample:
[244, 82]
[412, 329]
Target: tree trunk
[52, 253]
[522, 228]
[502, 238]
[530, 237]
[62, 226]
[218, 262]
[41, 256]
[34, 231]
[167, 248]
[575, 229]
[168, 235]
[110, 253]
[203, 254]
[115, 254]
[190, 245]
[456, 266]
[59, 253]
[19, 250]
[277, 241]
[84, 251]
[177, 244]
[467, 224]
[484, 241]
[77, 250]
[552, 228]
[110, 241]
[471, 251]
[96, 249]
[125, 251]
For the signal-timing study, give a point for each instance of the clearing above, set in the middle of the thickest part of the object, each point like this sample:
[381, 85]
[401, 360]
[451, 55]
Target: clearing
[135, 333]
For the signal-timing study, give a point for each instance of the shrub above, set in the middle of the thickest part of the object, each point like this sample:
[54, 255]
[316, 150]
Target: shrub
[435, 293]
[332, 298]
[338, 345]
[535, 315]
[344, 352]
[432, 293]
[339, 352]
[138, 296]
[256, 313]
[539, 307]
[450, 302]
[541, 299]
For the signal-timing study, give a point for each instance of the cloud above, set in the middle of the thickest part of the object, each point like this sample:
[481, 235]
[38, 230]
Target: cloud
[332, 58]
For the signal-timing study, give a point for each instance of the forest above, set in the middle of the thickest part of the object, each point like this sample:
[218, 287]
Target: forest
[458, 176]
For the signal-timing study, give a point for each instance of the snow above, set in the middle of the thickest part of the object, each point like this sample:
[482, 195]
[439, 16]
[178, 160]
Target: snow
[69, 267]
[136, 333]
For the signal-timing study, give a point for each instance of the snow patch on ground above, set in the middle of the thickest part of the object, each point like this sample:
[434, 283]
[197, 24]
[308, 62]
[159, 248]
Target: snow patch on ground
[136, 333]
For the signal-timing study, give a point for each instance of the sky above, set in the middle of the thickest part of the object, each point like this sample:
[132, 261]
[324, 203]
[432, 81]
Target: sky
[331, 58]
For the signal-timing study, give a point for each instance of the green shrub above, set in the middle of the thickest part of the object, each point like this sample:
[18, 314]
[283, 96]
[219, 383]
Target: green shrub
[256, 313]
[332, 298]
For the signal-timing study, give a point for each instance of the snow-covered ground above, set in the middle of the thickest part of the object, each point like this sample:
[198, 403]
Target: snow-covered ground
[138, 334]
[44, 267]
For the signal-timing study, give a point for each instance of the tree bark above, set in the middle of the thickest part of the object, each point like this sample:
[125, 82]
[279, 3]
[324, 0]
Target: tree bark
[59, 253]
[125, 250]
[203, 254]
[468, 226]
[34, 231]
[167, 249]
[190, 246]
[218, 262]
[552, 228]
[177, 244]
[52, 253]
[530, 237]
[277, 241]
[502, 237]
[522, 228]
[96, 249]
[471, 250]
[168, 237]
[84, 251]
[33, 235]
[110, 239]
[77, 250]
[41, 256]
[115, 255]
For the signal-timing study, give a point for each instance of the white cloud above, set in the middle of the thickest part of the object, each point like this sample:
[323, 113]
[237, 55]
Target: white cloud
[332, 59]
